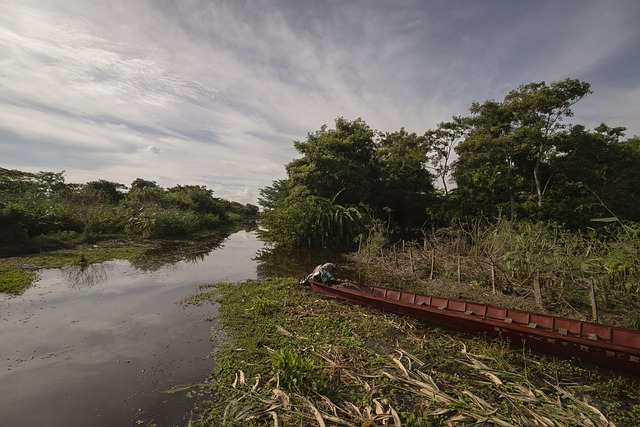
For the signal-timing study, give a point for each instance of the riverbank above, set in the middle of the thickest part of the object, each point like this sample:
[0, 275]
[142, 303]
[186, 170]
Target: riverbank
[288, 356]
[18, 273]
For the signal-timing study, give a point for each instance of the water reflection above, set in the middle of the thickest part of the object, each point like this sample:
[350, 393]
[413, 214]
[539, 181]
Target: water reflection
[173, 252]
[85, 276]
[277, 261]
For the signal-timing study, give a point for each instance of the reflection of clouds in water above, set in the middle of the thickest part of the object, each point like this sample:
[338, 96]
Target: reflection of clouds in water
[85, 276]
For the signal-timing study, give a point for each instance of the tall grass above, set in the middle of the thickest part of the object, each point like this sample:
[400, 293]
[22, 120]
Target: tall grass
[551, 266]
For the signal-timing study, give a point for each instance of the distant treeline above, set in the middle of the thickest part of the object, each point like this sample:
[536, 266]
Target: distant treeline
[42, 204]
[515, 159]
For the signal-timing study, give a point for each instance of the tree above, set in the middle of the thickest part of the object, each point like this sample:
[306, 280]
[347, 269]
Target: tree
[326, 190]
[505, 158]
[107, 189]
[405, 185]
[271, 195]
[443, 141]
[139, 184]
[538, 110]
[490, 166]
[595, 175]
[337, 164]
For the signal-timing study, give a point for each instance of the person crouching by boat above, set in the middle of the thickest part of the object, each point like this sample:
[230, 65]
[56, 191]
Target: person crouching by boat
[323, 273]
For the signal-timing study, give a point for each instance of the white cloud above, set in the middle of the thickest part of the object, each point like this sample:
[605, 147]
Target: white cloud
[213, 93]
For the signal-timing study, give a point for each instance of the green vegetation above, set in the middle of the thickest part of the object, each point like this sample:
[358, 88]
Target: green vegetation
[66, 223]
[37, 206]
[288, 356]
[516, 158]
[532, 266]
[570, 196]
[14, 280]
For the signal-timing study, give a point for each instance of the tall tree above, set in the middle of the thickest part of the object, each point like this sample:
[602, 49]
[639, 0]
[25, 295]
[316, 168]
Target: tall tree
[595, 175]
[107, 189]
[505, 158]
[405, 185]
[337, 164]
[490, 166]
[443, 141]
[538, 110]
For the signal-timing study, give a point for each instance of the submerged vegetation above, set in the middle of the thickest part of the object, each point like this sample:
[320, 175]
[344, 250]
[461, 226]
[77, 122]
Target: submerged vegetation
[288, 356]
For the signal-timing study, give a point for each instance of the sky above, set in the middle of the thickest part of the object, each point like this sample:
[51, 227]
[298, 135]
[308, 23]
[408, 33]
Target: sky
[213, 93]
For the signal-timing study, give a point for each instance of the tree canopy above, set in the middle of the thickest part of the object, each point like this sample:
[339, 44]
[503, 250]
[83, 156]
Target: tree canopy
[39, 204]
[517, 157]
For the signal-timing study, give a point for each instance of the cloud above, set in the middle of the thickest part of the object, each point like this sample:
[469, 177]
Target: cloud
[213, 93]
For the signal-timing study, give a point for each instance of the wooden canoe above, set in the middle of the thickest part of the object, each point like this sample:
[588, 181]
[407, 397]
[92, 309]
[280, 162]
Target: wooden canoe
[607, 346]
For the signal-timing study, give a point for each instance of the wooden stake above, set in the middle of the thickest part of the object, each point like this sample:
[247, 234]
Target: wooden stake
[413, 269]
[395, 254]
[537, 292]
[433, 263]
[594, 305]
[459, 278]
[493, 279]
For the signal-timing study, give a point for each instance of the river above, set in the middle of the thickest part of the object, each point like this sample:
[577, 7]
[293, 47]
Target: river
[101, 346]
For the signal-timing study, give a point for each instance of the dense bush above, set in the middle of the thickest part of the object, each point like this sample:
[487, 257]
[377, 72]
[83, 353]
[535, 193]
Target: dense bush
[40, 204]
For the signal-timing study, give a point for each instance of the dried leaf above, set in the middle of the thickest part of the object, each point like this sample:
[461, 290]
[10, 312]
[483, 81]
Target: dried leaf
[315, 412]
[235, 381]
[276, 421]
[493, 377]
[379, 408]
[257, 383]
[396, 418]
[401, 366]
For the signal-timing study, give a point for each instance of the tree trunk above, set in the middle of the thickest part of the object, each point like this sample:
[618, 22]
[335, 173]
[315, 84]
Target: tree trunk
[536, 176]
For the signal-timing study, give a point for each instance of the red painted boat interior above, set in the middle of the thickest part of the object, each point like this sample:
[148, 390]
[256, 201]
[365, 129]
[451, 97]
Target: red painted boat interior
[541, 322]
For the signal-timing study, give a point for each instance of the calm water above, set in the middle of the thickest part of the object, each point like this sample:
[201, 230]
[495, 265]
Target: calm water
[100, 346]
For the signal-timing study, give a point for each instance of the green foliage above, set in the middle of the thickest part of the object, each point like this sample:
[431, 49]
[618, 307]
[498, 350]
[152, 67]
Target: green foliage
[351, 365]
[505, 163]
[337, 164]
[297, 373]
[405, 187]
[344, 173]
[15, 280]
[304, 219]
[41, 204]
[107, 190]
[265, 307]
[162, 223]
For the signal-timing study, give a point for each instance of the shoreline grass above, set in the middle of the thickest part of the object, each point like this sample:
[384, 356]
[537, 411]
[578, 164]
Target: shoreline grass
[287, 356]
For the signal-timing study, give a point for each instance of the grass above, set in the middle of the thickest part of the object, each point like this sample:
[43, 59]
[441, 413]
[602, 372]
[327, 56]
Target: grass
[14, 280]
[286, 356]
[18, 273]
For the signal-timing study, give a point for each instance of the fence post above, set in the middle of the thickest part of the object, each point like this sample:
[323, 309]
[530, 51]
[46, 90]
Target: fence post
[493, 279]
[433, 263]
[537, 292]
[413, 269]
[594, 305]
